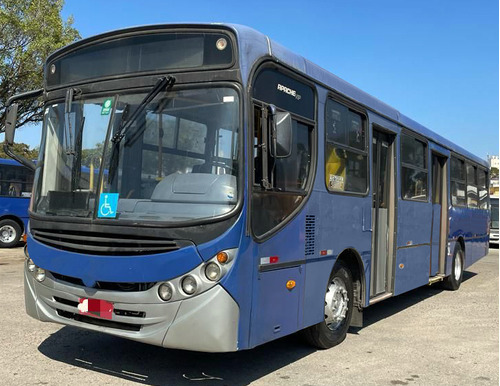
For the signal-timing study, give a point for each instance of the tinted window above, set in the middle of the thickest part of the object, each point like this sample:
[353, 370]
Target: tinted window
[414, 174]
[457, 169]
[483, 189]
[458, 184]
[15, 181]
[287, 177]
[346, 158]
[472, 196]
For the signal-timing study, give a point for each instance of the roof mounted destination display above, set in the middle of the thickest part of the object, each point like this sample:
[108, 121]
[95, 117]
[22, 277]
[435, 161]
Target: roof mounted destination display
[151, 52]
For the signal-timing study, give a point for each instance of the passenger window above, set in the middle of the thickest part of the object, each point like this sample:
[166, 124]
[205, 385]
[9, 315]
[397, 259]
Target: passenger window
[457, 183]
[414, 172]
[472, 197]
[483, 189]
[346, 158]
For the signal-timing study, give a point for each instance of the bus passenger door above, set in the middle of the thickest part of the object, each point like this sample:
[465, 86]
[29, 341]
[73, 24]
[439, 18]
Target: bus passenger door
[439, 215]
[383, 178]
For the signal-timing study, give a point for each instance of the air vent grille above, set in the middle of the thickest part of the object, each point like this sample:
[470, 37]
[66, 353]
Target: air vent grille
[107, 244]
[310, 244]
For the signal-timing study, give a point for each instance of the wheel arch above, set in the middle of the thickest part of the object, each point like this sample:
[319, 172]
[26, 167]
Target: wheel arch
[461, 242]
[352, 260]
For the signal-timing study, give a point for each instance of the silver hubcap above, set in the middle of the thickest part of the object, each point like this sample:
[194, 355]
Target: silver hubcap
[7, 234]
[457, 269]
[336, 303]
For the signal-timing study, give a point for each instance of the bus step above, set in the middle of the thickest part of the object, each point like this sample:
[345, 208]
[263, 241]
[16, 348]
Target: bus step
[436, 278]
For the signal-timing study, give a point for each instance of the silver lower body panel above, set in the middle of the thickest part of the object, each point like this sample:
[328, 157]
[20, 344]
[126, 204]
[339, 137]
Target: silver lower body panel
[206, 322]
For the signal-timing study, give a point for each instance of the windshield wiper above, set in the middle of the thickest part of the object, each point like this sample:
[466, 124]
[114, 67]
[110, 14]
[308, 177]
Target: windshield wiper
[125, 125]
[162, 83]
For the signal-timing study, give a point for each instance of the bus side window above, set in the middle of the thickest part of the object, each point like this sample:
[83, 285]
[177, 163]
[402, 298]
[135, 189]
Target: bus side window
[472, 196]
[457, 184]
[346, 160]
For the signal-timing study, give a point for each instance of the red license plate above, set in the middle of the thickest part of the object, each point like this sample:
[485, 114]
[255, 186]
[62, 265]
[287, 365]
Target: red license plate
[96, 308]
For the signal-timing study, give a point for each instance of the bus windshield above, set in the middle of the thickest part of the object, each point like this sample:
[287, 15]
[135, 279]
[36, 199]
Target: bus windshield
[177, 161]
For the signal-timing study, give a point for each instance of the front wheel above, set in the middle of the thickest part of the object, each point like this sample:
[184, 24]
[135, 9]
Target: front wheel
[339, 301]
[10, 233]
[453, 281]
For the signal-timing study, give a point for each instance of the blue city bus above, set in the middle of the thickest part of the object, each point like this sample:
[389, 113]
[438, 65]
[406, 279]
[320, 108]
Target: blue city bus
[248, 193]
[16, 184]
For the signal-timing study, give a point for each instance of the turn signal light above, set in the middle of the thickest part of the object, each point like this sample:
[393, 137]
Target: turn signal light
[290, 284]
[222, 257]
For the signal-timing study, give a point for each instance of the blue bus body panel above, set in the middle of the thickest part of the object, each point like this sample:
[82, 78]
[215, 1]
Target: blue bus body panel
[15, 206]
[121, 269]
[470, 225]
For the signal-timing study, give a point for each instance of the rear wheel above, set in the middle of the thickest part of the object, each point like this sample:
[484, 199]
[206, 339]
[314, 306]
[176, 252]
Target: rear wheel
[453, 281]
[339, 300]
[10, 232]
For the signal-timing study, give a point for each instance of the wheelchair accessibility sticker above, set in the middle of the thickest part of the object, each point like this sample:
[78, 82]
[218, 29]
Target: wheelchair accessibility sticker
[108, 202]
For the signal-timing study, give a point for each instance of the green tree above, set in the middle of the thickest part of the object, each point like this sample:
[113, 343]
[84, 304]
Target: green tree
[29, 32]
[22, 149]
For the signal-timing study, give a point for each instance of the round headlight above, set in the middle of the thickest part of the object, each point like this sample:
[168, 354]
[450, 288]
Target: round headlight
[31, 265]
[189, 285]
[212, 272]
[165, 292]
[40, 274]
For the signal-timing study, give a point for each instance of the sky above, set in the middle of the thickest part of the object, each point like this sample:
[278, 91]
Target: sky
[434, 61]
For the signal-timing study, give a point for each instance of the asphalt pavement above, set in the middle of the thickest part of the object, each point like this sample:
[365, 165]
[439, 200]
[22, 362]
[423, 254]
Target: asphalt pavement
[425, 337]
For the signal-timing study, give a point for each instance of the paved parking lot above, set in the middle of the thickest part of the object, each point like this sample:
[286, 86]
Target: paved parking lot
[425, 337]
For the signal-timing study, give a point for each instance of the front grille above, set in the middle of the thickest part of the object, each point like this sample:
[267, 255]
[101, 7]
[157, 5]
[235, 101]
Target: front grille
[106, 285]
[108, 244]
[68, 279]
[117, 311]
[99, 322]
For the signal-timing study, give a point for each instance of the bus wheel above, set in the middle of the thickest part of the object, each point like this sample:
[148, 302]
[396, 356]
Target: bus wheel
[10, 233]
[339, 301]
[453, 281]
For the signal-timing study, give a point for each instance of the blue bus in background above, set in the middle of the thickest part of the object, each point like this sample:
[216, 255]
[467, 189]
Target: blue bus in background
[248, 194]
[16, 184]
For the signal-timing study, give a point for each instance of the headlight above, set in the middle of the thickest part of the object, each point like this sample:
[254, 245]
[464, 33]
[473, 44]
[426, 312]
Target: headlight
[212, 272]
[165, 292]
[189, 285]
[40, 274]
[31, 265]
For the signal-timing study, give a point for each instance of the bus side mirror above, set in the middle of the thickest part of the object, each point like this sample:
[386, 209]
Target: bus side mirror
[281, 133]
[10, 123]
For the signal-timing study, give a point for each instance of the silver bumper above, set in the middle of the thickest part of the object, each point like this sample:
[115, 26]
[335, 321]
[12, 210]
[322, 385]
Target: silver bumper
[206, 322]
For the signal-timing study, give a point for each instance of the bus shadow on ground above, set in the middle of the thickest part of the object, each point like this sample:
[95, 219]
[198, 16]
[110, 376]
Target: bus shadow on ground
[153, 365]
[392, 306]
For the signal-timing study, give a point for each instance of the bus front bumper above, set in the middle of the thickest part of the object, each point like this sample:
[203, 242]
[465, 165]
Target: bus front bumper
[207, 322]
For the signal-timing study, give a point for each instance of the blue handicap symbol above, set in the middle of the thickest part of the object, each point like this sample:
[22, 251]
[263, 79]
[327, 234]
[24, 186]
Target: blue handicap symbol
[108, 203]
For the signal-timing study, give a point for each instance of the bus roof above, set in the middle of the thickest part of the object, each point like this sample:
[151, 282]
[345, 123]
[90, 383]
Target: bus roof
[254, 45]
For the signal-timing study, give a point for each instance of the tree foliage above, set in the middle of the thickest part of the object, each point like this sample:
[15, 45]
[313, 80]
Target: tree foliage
[22, 149]
[29, 31]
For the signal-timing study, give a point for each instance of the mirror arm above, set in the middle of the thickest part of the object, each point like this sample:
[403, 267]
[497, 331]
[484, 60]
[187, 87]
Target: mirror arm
[7, 147]
[19, 158]
[24, 95]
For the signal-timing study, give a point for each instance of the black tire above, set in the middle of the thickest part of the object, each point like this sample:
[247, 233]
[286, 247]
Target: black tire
[10, 233]
[323, 335]
[453, 281]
